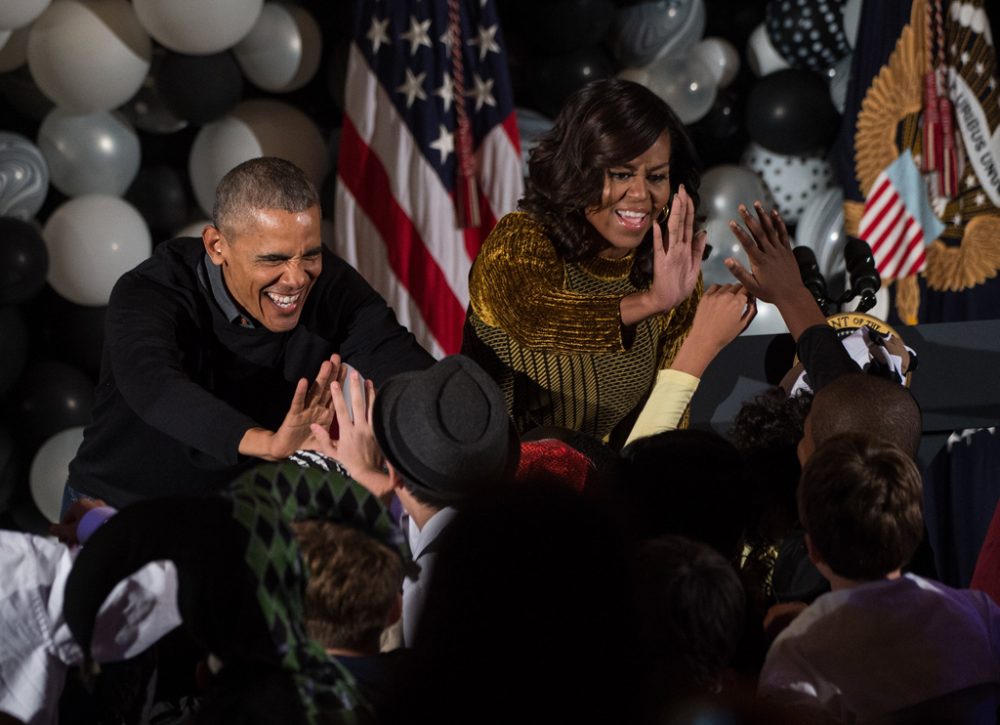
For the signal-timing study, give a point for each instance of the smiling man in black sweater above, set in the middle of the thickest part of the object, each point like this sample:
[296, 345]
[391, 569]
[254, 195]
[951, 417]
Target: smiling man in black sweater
[211, 344]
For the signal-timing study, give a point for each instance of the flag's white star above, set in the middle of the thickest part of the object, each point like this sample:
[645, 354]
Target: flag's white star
[980, 198]
[965, 57]
[980, 69]
[956, 220]
[445, 143]
[970, 181]
[482, 92]
[378, 33]
[413, 87]
[445, 40]
[446, 92]
[417, 35]
[486, 41]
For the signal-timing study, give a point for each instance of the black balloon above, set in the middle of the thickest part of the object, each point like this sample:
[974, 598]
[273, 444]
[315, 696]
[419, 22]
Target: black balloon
[790, 112]
[66, 332]
[8, 468]
[158, 194]
[24, 260]
[563, 26]
[50, 397]
[13, 347]
[720, 135]
[556, 78]
[808, 33]
[199, 88]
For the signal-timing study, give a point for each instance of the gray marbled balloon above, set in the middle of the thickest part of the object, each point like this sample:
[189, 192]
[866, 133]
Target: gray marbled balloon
[24, 177]
[651, 30]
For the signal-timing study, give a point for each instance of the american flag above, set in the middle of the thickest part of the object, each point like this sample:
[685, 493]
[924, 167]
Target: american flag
[429, 155]
[898, 221]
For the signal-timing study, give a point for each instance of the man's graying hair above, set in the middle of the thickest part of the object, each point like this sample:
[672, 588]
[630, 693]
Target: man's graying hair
[262, 183]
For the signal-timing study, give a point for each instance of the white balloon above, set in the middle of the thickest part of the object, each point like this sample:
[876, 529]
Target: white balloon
[50, 469]
[767, 322]
[18, 13]
[636, 75]
[89, 56]
[762, 56]
[282, 51]
[92, 240]
[685, 83]
[14, 53]
[724, 246]
[821, 228]
[255, 128]
[726, 186]
[852, 16]
[531, 126]
[649, 30]
[94, 153]
[793, 180]
[720, 57]
[198, 27]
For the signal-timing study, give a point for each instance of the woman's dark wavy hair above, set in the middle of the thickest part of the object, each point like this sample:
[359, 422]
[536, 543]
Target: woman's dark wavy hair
[605, 124]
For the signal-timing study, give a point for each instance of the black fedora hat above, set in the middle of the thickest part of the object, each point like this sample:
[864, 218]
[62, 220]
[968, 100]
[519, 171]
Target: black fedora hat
[446, 429]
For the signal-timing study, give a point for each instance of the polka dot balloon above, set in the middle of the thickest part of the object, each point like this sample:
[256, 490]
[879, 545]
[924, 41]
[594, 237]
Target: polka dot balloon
[794, 181]
[809, 34]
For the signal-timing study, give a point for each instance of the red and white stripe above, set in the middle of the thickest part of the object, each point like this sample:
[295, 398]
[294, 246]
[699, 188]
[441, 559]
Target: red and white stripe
[395, 220]
[895, 236]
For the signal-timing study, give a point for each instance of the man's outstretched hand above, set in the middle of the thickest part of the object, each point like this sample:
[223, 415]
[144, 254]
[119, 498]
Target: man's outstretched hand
[311, 404]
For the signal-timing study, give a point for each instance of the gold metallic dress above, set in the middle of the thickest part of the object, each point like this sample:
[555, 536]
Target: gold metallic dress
[550, 333]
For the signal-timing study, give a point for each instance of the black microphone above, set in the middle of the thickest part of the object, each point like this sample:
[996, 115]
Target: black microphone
[865, 279]
[812, 278]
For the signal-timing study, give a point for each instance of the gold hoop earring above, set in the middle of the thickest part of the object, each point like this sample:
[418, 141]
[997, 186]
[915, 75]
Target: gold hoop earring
[663, 215]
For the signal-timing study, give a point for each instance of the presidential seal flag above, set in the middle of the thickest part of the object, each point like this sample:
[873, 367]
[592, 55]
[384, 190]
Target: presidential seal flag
[429, 155]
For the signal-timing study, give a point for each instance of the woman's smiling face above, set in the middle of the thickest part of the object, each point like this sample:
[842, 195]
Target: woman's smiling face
[633, 195]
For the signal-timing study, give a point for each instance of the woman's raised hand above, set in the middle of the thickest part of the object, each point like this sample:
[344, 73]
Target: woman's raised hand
[676, 259]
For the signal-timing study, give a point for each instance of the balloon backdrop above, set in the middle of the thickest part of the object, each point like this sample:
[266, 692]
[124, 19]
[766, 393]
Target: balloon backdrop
[808, 33]
[14, 344]
[158, 194]
[649, 30]
[793, 181]
[24, 177]
[762, 57]
[63, 331]
[89, 57]
[18, 13]
[767, 322]
[93, 240]
[724, 245]
[255, 128]
[50, 397]
[821, 228]
[199, 88]
[198, 27]
[724, 187]
[557, 77]
[14, 52]
[193, 229]
[720, 136]
[8, 468]
[685, 83]
[838, 76]
[94, 153]
[282, 51]
[531, 126]
[146, 110]
[790, 112]
[557, 27]
[720, 57]
[24, 260]
[852, 14]
[50, 469]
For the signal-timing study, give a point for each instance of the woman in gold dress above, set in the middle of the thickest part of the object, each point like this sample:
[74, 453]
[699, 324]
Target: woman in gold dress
[580, 298]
